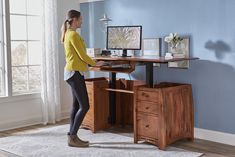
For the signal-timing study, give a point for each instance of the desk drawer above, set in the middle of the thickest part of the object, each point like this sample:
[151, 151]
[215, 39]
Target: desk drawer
[89, 118]
[147, 125]
[147, 107]
[148, 96]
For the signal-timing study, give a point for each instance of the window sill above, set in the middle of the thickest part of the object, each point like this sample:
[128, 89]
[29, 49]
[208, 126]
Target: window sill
[19, 98]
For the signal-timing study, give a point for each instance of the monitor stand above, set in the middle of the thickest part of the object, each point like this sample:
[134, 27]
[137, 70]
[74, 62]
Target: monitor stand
[124, 53]
[105, 53]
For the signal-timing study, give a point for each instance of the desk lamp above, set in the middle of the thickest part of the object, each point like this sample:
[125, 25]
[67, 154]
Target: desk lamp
[105, 21]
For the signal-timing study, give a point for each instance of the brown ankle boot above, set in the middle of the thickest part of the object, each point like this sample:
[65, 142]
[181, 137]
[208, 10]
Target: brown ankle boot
[82, 140]
[79, 138]
[74, 141]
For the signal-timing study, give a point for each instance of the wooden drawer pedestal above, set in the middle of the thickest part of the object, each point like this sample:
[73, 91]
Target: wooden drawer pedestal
[97, 116]
[163, 114]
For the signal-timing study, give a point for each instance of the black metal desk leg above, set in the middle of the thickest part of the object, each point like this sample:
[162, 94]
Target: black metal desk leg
[112, 98]
[149, 74]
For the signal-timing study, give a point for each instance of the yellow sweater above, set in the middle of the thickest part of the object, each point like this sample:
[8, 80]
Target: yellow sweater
[75, 52]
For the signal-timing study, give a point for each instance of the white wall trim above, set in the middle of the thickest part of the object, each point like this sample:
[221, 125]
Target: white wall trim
[14, 124]
[27, 121]
[215, 136]
[88, 1]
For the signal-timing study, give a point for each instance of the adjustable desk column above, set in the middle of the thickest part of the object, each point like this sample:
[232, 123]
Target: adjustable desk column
[112, 98]
[149, 73]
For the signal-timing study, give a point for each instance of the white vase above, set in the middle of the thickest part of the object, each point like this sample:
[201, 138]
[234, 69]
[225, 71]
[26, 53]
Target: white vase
[173, 50]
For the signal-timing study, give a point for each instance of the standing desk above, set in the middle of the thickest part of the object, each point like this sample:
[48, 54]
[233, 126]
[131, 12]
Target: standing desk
[113, 68]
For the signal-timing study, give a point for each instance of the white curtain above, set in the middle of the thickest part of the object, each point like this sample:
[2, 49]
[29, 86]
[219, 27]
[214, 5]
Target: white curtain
[51, 106]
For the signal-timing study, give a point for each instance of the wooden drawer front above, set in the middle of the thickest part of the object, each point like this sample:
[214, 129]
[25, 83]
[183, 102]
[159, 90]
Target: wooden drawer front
[148, 96]
[89, 118]
[152, 108]
[91, 110]
[147, 125]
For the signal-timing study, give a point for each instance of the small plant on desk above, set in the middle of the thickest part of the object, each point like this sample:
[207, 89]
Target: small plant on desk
[173, 40]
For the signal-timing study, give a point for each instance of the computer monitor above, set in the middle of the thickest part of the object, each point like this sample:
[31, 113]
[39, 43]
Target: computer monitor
[124, 38]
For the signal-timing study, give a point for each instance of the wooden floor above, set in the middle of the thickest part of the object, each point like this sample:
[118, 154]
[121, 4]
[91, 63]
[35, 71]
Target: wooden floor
[210, 149]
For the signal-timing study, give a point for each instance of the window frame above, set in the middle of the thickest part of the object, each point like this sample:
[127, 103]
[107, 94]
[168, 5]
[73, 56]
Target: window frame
[7, 48]
[6, 57]
[2, 86]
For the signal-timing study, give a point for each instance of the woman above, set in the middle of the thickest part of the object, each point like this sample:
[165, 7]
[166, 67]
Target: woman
[76, 63]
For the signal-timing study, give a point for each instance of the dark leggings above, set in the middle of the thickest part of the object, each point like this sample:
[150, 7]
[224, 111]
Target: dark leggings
[80, 102]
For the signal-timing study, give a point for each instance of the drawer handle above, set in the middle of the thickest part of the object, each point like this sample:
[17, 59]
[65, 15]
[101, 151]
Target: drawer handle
[146, 108]
[144, 94]
[146, 126]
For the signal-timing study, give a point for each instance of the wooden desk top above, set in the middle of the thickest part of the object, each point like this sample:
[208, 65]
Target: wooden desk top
[152, 59]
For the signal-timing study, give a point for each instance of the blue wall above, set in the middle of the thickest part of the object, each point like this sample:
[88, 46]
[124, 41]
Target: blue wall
[211, 28]
[91, 26]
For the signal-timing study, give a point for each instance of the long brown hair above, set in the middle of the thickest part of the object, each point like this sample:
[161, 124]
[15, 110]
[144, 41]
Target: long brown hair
[71, 14]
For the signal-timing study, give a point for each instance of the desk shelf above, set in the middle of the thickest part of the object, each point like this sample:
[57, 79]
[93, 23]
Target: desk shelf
[119, 90]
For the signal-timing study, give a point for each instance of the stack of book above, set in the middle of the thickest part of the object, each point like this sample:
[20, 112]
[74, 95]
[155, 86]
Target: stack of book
[93, 52]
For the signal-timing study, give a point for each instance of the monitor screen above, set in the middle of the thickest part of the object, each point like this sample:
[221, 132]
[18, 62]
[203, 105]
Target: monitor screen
[124, 37]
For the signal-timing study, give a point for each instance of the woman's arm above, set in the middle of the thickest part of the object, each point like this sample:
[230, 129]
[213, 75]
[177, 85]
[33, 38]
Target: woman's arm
[81, 51]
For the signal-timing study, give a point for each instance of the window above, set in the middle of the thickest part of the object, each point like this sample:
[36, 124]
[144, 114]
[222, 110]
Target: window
[23, 17]
[2, 89]
[1, 67]
[25, 24]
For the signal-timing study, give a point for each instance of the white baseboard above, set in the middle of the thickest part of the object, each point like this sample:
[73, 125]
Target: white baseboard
[87, 1]
[29, 121]
[13, 124]
[215, 136]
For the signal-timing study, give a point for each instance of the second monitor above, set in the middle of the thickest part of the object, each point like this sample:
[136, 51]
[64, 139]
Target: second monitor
[124, 38]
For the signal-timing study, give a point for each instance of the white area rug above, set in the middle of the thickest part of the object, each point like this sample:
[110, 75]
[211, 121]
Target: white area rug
[52, 142]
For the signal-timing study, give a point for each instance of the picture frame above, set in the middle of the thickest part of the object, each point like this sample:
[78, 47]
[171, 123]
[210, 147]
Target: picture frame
[152, 47]
[182, 50]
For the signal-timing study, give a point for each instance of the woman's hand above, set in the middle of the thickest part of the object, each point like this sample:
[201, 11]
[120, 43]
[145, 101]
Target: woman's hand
[100, 63]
